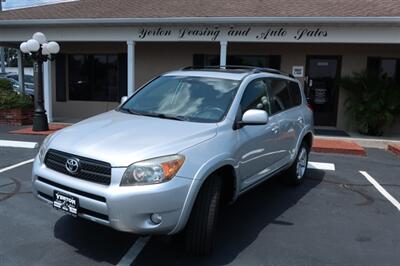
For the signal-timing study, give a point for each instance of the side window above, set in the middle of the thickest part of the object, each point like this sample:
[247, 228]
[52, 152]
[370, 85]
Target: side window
[255, 97]
[279, 95]
[295, 92]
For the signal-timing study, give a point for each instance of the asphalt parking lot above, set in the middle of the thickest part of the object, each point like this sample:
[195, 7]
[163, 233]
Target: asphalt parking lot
[335, 217]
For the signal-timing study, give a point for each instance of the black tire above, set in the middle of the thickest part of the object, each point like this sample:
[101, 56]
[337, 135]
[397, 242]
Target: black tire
[292, 174]
[202, 224]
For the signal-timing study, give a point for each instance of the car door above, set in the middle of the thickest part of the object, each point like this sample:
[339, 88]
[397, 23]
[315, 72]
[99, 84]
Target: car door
[296, 112]
[257, 144]
[287, 117]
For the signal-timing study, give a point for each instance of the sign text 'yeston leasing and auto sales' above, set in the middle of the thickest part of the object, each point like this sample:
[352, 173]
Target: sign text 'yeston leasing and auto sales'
[256, 33]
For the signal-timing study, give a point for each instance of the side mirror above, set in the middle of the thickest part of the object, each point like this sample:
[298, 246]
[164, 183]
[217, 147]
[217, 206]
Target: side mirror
[123, 99]
[254, 117]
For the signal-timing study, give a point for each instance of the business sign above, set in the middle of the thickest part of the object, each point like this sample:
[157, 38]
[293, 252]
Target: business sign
[298, 71]
[232, 33]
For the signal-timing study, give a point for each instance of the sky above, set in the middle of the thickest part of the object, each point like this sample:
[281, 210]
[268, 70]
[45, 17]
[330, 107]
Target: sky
[11, 4]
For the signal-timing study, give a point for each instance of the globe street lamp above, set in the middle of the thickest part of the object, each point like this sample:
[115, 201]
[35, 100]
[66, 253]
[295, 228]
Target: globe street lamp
[41, 51]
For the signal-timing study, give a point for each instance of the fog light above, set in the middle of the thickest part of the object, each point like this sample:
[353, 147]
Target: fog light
[156, 218]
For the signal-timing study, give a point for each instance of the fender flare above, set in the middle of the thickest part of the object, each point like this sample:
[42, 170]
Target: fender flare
[201, 175]
[303, 133]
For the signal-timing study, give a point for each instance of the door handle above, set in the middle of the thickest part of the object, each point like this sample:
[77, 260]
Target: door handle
[275, 129]
[300, 120]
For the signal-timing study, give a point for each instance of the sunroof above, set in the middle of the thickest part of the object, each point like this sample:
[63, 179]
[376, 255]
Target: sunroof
[16, 4]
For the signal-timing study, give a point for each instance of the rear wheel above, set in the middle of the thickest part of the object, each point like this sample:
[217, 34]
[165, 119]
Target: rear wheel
[295, 174]
[201, 227]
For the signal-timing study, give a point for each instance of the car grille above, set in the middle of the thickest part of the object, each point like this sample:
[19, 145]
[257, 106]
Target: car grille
[90, 170]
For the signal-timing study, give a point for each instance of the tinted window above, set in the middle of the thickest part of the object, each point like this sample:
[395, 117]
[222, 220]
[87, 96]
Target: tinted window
[271, 61]
[255, 97]
[388, 67]
[78, 76]
[279, 95]
[93, 77]
[295, 93]
[198, 99]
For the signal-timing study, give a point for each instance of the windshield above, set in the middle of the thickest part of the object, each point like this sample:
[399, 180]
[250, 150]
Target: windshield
[29, 79]
[197, 99]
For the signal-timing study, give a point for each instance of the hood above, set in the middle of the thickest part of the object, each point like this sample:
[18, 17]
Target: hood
[122, 139]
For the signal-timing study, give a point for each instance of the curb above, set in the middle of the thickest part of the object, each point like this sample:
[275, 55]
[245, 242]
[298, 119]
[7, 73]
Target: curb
[394, 148]
[366, 142]
[338, 147]
[28, 130]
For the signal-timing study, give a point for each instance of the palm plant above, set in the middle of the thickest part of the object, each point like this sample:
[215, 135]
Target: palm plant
[373, 102]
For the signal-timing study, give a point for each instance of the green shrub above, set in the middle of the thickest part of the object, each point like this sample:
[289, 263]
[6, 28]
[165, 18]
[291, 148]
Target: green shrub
[373, 102]
[11, 99]
[5, 84]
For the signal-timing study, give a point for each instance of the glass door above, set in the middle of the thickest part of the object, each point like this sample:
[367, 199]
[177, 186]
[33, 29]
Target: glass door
[323, 73]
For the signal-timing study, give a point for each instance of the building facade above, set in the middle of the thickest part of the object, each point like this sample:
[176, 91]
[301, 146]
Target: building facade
[105, 56]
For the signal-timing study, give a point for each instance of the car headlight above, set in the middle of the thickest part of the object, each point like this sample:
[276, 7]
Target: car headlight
[153, 171]
[43, 149]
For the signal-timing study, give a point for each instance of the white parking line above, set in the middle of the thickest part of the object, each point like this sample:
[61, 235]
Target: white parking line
[321, 166]
[134, 251]
[16, 165]
[381, 189]
[18, 144]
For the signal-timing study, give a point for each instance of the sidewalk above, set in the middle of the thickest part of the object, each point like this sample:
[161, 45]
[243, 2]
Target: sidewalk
[53, 127]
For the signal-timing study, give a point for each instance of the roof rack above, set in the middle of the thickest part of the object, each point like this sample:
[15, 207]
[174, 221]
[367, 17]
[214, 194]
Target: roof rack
[250, 68]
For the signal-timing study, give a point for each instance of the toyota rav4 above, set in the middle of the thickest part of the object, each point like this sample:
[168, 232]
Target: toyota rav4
[179, 148]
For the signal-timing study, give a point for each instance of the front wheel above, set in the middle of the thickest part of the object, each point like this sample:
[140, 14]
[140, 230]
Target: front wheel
[295, 174]
[201, 227]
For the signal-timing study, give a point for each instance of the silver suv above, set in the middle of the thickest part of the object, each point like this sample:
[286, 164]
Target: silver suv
[172, 154]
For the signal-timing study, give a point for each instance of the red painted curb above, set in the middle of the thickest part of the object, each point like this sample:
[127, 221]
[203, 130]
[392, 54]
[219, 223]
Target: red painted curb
[394, 148]
[28, 130]
[338, 146]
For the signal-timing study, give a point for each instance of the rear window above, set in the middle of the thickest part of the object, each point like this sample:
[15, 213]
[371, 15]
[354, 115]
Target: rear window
[279, 95]
[283, 94]
[295, 93]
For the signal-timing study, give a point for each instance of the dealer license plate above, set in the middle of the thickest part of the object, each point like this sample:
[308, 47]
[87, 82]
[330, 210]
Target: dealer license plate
[67, 203]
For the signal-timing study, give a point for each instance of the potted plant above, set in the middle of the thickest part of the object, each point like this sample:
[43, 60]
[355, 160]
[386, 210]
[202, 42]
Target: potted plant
[373, 102]
[15, 108]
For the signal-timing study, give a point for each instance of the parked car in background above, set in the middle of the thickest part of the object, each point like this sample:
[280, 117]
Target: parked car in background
[14, 79]
[27, 78]
[177, 150]
[3, 74]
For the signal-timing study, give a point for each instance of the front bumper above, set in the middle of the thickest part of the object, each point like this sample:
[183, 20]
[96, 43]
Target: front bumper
[122, 208]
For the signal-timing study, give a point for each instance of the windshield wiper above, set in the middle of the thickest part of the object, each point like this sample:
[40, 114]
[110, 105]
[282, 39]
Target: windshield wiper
[179, 118]
[133, 112]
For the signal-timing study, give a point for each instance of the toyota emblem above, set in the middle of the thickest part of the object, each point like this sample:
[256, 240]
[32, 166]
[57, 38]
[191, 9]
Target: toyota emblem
[72, 165]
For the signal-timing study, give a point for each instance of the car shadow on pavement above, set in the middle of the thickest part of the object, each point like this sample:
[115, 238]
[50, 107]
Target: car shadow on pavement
[96, 242]
[240, 224]
[239, 227]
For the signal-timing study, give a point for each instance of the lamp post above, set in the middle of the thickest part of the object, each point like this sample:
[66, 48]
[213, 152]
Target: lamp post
[41, 51]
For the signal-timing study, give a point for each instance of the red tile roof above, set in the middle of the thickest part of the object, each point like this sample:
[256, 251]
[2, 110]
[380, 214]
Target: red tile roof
[84, 9]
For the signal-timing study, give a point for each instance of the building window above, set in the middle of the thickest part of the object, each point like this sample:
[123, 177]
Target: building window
[389, 67]
[271, 61]
[93, 77]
